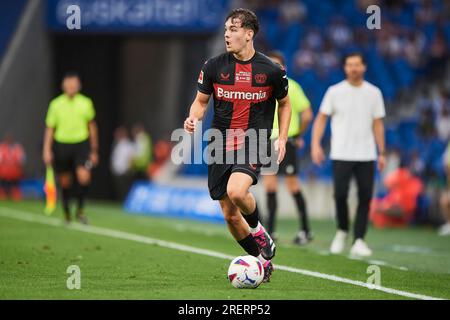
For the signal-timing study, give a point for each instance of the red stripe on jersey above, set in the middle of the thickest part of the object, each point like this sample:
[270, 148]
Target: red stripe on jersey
[242, 94]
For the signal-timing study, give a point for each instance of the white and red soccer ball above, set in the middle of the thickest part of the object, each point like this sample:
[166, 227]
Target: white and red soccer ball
[245, 272]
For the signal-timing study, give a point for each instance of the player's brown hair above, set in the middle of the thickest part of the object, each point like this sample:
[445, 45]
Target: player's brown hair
[248, 18]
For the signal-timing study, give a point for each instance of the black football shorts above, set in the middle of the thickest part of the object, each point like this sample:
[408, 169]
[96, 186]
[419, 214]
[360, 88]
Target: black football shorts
[219, 174]
[69, 156]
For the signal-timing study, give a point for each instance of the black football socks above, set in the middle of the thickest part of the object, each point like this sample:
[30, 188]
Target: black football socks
[249, 245]
[301, 206]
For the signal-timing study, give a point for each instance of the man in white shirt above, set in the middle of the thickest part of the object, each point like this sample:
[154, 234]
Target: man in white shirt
[121, 158]
[356, 109]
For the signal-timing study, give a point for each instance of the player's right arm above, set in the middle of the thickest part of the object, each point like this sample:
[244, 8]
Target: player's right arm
[205, 88]
[197, 111]
[325, 110]
[50, 121]
[47, 154]
[317, 153]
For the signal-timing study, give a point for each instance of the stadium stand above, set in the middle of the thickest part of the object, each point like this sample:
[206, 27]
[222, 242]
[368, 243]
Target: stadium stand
[414, 39]
[9, 16]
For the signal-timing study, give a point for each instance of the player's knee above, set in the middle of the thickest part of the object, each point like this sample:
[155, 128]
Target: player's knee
[271, 187]
[65, 181]
[271, 184]
[84, 177]
[271, 190]
[236, 195]
[233, 219]
[292, 183]
[293, 186]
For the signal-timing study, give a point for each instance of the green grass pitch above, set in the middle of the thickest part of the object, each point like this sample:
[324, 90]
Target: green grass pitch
[34, 258]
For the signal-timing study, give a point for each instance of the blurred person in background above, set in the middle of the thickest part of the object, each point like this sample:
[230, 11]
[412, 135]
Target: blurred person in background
[292, 11]
[398, 206]
[162, 151]
[12, 160]
[339, 32]
[301, 116]
[443, 124]
[142, 156]
[356, 108]
[121, 160]
[417, 164]
[426, 126]
[71, 142]
[444, 230]
[304, 59]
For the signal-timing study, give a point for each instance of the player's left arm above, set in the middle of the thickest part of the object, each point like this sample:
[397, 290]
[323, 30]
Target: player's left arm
[93, 132]
[378, 129]
[306, 117]
[301, 106]
[284, 118]
[93, 140]
[281, 88]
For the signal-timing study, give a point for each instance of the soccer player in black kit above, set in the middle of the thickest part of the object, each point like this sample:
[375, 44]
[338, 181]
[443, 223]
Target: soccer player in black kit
[245, 84]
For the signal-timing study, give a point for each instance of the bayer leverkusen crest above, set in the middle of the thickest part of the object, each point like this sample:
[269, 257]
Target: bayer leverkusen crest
[260, 78]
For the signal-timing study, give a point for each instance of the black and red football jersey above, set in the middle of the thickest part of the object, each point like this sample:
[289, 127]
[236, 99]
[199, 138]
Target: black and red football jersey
[245, 92]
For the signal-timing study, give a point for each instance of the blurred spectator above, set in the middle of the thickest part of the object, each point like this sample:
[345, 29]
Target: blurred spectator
[162, 154]
[363, 4]
[12, 159]
[340, 34]
[389, 43]
[443, 125]
[416, 164]
[414, 48]
[444, 230]
[438, 54]
[121, 158]
[440, 101]
[362, 37]
[397, 208]
[426, 124]
[425, 13]
[292, 11]
[328, 59]
[314, 39]
[423, 101]
[395, 45]
[304, 59]
[392, 161]
[142, 151]
[412, 31]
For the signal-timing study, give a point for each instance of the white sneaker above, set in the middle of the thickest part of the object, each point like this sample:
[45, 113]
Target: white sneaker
[338, 244]
[444, 230]
[360, 249]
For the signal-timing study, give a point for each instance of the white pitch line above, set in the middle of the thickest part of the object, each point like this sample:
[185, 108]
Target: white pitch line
[26, 216]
